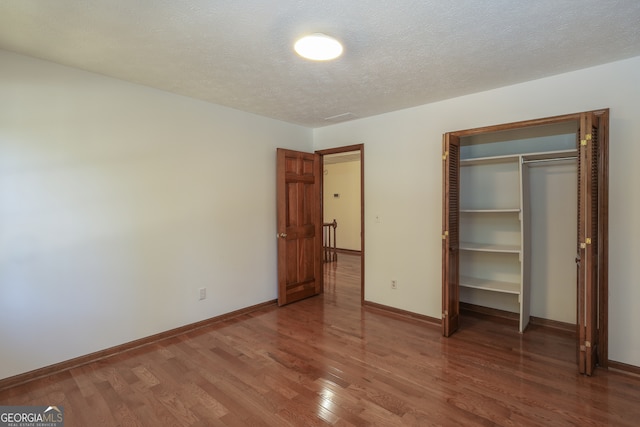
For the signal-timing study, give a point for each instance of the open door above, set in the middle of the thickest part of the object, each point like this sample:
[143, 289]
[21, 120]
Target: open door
[450, 233]
[342, 150]
[299, 221]
[590, 209]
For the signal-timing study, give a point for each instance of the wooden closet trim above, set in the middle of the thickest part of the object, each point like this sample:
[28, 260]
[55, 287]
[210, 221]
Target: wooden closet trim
[522, 124]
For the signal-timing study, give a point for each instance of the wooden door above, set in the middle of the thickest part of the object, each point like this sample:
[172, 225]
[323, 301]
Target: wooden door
[299, 221]
[589, 227]
[450, 234]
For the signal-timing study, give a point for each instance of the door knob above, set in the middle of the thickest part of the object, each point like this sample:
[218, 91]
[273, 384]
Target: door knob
[282, 235]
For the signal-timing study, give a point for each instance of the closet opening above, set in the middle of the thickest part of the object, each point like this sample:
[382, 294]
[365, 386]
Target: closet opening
[525, 226]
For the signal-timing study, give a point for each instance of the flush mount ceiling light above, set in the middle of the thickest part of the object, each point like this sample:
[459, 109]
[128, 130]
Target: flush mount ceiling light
[318, 47]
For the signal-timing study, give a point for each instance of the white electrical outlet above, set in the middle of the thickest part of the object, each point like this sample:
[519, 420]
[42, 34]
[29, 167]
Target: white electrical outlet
[394, 284]
[203, 293]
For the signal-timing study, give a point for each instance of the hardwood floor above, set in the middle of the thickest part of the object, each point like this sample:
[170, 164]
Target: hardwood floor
[327, 361]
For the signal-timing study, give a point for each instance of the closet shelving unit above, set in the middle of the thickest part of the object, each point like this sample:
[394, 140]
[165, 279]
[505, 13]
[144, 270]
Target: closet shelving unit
[494, 225]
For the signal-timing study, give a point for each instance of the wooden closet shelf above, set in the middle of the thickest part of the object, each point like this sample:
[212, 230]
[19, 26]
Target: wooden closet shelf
[481, 247]
[517, 157]
[490, 285]
[514, 210]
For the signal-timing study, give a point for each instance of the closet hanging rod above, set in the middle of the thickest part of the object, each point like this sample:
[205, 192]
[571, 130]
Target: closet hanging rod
[556, 159]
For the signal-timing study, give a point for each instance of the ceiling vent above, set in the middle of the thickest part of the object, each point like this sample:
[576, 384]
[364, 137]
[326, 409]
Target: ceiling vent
[340, 118]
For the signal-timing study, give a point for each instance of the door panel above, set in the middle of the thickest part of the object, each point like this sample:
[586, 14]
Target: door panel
[450, 234]
[588, 242]
[299, 225]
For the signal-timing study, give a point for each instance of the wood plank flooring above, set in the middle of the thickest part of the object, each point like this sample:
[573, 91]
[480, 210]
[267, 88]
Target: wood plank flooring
[327, 361]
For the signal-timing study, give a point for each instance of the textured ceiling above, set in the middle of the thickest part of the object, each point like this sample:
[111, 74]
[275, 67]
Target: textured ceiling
[398, 54]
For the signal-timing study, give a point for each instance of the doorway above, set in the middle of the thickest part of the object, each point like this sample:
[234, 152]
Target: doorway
[346, 206]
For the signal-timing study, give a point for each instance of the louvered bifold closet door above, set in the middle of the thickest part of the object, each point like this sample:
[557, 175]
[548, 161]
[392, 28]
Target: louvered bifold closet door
[588, 242]
[450, 234]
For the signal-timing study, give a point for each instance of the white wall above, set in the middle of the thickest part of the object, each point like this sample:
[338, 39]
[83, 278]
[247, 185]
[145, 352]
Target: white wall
[403, 176]
[117, 202]
[343, 179]
[554, 229]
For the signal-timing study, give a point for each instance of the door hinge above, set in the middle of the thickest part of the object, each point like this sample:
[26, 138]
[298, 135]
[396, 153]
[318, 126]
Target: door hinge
[585, 346]
[445, 235]
[586, 139]
[445, 155]
[587, 241]
[445, 314]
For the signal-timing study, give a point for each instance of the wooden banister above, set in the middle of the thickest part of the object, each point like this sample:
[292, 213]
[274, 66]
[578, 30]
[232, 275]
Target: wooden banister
[329, 241]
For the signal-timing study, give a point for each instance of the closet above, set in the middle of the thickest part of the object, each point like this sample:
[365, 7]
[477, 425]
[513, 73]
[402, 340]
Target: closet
[525, 224]
[499, 245]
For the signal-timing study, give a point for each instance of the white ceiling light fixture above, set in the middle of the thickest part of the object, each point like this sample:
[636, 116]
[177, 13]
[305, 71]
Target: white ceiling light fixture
[318, 47]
